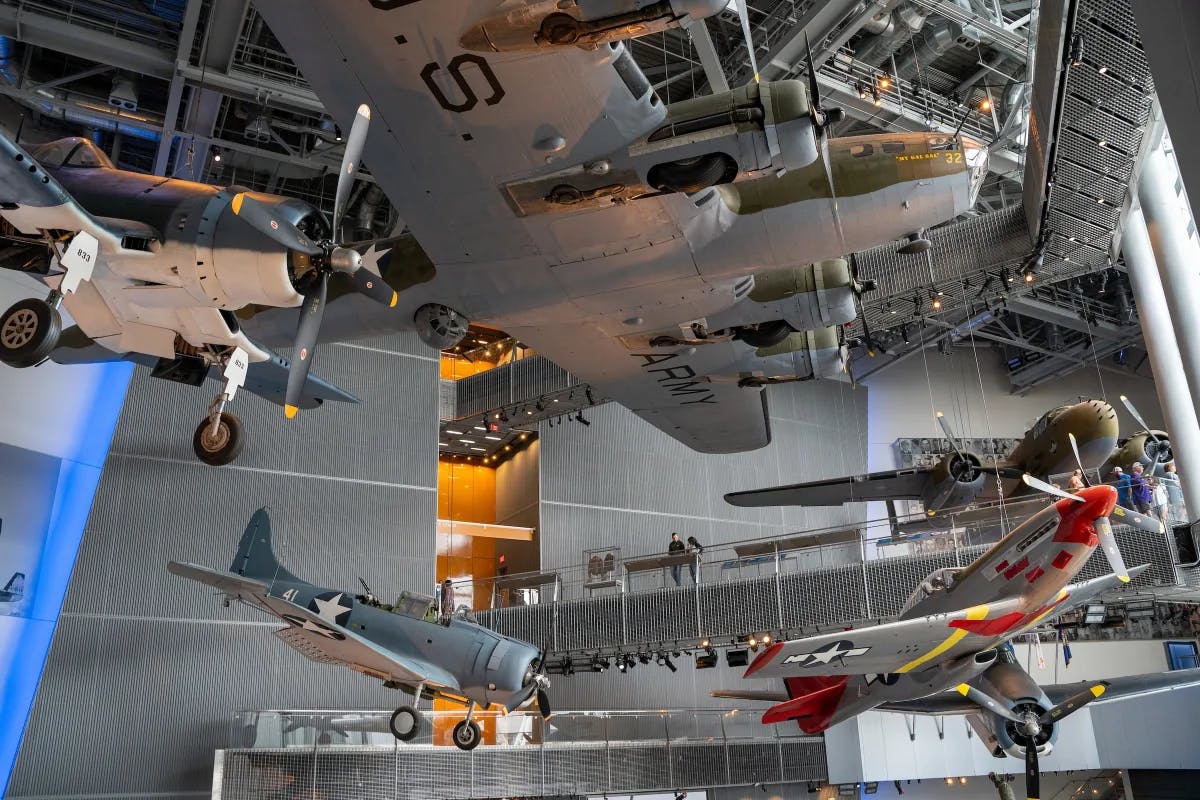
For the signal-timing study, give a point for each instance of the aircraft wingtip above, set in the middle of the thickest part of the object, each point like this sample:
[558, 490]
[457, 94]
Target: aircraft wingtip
[290, 411]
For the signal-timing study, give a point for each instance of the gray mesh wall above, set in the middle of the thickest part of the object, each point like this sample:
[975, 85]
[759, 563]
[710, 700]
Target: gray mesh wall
[585, 768]
[146, 668]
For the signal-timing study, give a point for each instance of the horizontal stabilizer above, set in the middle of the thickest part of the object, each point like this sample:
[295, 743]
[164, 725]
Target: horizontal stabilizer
[764, 696]
[812, 711]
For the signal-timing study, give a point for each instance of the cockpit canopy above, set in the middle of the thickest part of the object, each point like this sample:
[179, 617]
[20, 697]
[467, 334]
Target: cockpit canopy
[939, 580]
[74, 151]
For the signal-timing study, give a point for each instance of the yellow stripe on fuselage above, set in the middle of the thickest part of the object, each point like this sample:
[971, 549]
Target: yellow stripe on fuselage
[978, 612]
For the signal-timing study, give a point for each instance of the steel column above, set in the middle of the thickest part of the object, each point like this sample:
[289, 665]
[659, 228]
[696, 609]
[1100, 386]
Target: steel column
[1165, 361]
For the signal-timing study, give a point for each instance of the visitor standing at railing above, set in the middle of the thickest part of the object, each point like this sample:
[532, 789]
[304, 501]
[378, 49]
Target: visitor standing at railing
[1170, 478]
[1122, 481]
[1161, 503]
[695, 548]
[673, 549]
[1076, 483]
[1139, 489]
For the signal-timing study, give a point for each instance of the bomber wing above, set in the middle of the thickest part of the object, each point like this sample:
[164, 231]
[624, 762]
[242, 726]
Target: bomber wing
[670, 390]
[902, 484]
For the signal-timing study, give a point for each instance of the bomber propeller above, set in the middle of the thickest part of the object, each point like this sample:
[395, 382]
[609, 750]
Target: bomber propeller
[328, 257]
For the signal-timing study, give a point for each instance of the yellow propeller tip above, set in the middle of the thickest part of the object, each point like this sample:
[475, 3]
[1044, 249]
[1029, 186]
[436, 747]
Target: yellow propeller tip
[1124, 578]
[236, 205]
[395, 299]
[1097, 691]
[290, 411]
[963, 689]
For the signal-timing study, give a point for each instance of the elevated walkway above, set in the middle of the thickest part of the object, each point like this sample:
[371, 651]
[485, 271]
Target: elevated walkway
[349, 755]
[786, 593]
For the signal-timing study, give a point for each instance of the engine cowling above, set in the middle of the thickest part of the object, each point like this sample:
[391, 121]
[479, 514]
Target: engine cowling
[800, 356]
[811, 297]
[956, 481]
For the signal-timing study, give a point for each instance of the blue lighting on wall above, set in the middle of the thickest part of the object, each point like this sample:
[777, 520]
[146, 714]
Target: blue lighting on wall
[78, 478]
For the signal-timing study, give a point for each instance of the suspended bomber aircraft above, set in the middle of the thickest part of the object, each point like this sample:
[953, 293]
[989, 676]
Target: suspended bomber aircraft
[404, 645]
[950, 632]
[676, 259]
[962, 477]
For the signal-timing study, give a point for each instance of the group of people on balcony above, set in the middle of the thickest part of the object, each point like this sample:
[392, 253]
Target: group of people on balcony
[692, 547]
[1159, 495]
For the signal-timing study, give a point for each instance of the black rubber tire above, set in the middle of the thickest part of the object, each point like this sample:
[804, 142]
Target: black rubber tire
[405, 732]
[767, 334]
[691, 175]
[467, 735]
[228, 445]
[29, 331]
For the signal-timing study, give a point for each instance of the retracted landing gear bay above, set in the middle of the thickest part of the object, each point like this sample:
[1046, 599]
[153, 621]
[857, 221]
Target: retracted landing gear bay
[29, 329]
[219, 439]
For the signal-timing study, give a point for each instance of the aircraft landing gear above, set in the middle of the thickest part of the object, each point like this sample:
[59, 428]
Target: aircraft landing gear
[218, 438]
[29, 330]
[467, 733]
[406, 720]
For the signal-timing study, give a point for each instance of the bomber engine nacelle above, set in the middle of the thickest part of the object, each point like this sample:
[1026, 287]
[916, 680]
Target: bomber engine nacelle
[538, 24]
[781, 302]
[956, 480]
[800, 356]
[1151, 453]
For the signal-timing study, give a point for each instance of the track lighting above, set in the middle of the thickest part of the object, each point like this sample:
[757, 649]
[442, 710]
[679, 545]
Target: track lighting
[579, 418]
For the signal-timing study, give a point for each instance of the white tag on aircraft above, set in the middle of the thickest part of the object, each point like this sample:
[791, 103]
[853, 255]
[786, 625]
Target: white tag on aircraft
[235, 371]
[79, 260]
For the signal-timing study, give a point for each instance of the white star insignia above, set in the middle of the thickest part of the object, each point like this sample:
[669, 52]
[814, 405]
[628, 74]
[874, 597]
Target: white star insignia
[329, 610]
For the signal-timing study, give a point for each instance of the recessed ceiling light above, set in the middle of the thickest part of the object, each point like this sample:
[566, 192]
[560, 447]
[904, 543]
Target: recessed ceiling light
[453, 432]
[443, 444]
[494, 438]
[480, 449]
[467, 441]
[1102, 70]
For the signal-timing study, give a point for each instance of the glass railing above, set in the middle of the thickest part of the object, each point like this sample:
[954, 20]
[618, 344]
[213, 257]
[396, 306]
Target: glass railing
[308, 729]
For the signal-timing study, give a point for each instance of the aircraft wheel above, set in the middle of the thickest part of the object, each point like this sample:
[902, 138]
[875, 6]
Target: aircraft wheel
[222, 447]
[767, 334]
[690, 175]
[405, 723]
[28, 332]
[467, 735]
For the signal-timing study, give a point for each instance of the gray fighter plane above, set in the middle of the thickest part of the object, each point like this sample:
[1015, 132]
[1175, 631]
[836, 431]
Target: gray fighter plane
[14, 590]
[676, 259]
[404, 645]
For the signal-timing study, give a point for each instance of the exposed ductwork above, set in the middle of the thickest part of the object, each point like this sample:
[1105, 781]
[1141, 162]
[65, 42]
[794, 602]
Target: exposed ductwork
[929, 45]
[888, 32]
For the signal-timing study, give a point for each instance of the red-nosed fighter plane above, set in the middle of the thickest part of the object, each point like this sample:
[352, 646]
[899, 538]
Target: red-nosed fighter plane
[953, 628]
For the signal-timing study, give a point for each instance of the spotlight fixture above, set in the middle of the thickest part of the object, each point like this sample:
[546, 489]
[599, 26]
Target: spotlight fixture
[876, 98]
[579, 418]
[706, 660]
[985, 105]
[1030, 275]
[599, 664]
[644, 658]
[737, 658]
[588, 393]
[500, 415]
[862, 91]
[885, 81]
[765, 638]
[1077, 50]
[936, 303]
[337, 132]
[539, 405]
[216, 155]
[622, 665]
[705, 643]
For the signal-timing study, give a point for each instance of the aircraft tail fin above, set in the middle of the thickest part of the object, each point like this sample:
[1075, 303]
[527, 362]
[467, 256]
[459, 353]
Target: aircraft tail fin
[814, 701]
[255, 557]
[15, 588]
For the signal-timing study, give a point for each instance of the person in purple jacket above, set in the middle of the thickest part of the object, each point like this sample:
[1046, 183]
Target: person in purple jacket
[1139, 486]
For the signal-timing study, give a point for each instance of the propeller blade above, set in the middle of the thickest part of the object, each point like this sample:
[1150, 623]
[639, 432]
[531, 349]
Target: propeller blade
[543, 703]
[1078, 460]
[745, 17]
[263, 218]
[987, 702]
[814, 88]
[1042, 486]
[1139, 521]
[367, 282]
[1108, 543]
[1074, 703]
[351, 159]
[1138, 417]
[1033, 776]
[306, 340]
[941, 418]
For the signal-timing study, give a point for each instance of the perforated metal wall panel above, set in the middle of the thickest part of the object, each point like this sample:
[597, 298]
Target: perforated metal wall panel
[583, 768]
[146, 668]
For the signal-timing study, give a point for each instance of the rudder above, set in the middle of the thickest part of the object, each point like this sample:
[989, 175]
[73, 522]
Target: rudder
[255, 557]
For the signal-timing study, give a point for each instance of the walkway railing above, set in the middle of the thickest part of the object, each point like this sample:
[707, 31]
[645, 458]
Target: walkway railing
[350, 754]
